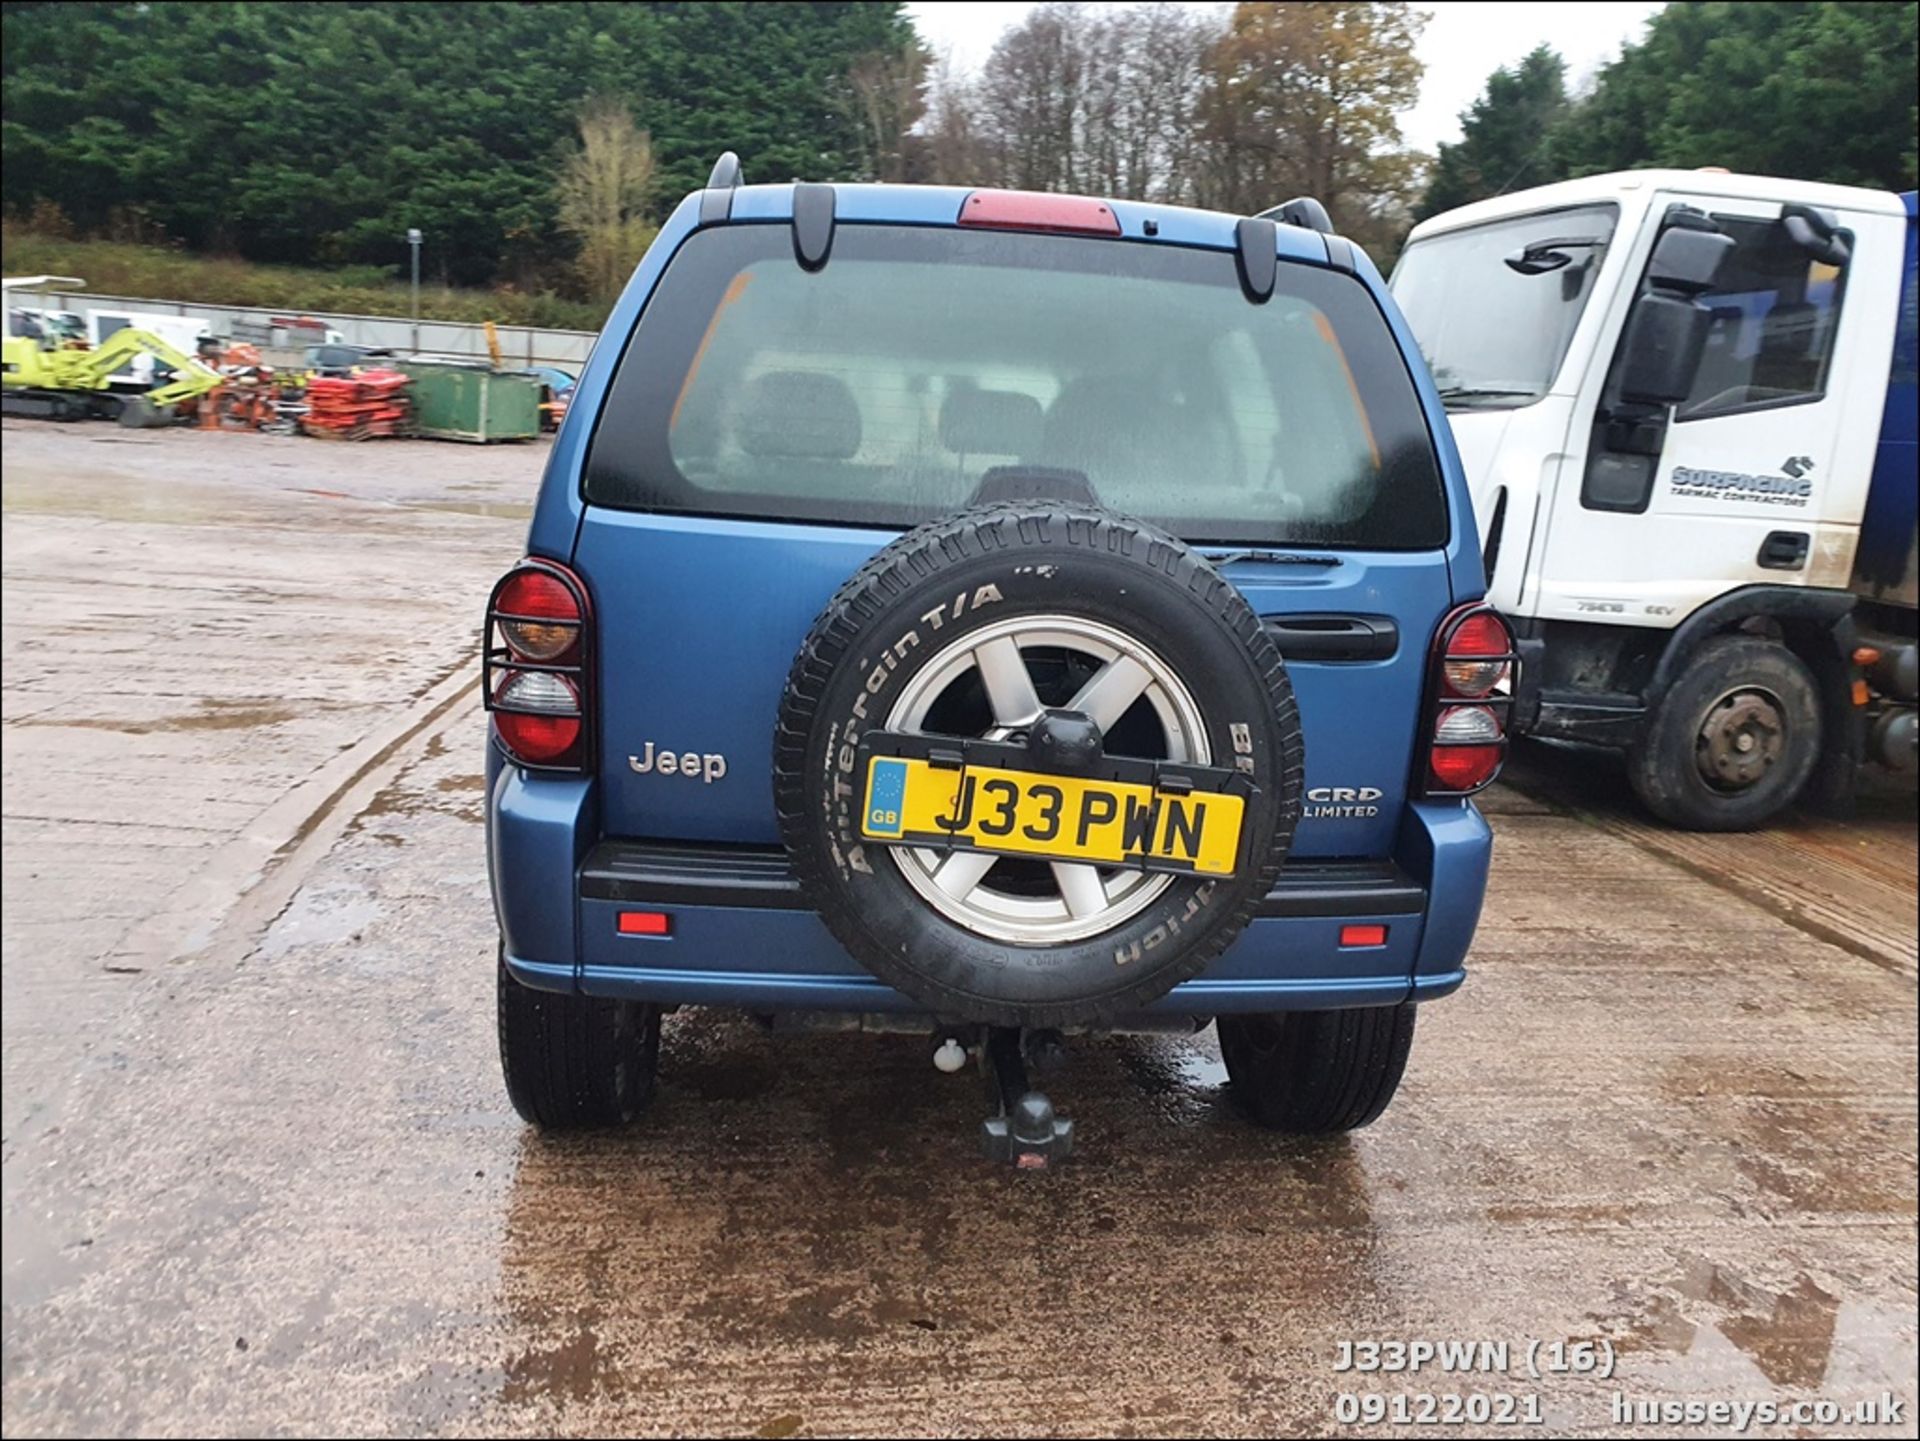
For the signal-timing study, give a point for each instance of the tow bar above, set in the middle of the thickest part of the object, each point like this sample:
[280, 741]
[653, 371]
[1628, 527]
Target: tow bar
[1024, 1129]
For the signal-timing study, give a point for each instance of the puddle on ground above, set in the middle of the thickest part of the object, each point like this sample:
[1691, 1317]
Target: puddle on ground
[116, 497]
[320, 916]
[1201, 1069]
[571, 1369]
[213, 715]
[496, 510]
[1175, 1065]
[1182, 1077]
[404, 798]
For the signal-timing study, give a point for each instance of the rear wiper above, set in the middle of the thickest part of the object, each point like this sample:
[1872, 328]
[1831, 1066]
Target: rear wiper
[1268, 557]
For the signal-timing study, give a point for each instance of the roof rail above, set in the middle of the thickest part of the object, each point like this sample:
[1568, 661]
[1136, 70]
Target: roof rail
[716, 201]
[1303, 211]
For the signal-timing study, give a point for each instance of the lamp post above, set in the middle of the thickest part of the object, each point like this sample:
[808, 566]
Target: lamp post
[413, 239]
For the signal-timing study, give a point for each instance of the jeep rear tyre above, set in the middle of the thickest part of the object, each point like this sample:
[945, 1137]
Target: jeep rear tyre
[1732, 742]
[1316, 1072]
[575, 1061]
[994, 624]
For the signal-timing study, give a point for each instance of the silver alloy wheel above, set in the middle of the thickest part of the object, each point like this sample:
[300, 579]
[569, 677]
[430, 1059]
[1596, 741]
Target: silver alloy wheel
[1089, 899]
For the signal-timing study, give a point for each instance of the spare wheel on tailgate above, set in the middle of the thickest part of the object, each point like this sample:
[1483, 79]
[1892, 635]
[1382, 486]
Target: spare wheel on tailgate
[1037, 764]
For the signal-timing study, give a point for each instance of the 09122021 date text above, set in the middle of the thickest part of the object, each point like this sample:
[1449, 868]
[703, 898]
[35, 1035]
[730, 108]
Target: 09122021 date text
[1438, 1408]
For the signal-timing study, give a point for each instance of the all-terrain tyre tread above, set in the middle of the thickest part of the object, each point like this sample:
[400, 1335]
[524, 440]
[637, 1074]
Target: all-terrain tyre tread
[1331, 1071]
[572, 1062]
[1005, 527]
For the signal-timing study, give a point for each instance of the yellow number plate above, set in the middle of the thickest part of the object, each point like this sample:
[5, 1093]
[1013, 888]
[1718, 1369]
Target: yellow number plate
[1061, 818]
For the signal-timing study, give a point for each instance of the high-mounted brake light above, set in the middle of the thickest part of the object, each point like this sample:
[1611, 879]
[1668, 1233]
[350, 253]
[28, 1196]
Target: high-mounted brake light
[537, 675]
[1029, 210]
[1470, 693]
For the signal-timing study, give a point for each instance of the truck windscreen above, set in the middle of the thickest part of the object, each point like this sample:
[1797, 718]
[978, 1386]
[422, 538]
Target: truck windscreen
[1495, 333]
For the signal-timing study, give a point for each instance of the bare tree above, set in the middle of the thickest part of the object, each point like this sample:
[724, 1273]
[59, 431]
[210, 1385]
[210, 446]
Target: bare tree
[1159, 102]
[1165, 52]
[1030, 96]
[885, 98]
[951, 149]
[1076, 99]
[602, 193]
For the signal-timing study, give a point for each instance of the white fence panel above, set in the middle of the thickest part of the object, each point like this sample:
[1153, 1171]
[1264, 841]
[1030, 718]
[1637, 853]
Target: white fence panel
[285, 330]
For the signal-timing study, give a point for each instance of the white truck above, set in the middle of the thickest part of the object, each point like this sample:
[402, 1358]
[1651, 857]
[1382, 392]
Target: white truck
[1685, 402]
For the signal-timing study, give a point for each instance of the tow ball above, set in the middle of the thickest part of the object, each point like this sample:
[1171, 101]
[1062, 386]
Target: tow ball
[1024, 1129]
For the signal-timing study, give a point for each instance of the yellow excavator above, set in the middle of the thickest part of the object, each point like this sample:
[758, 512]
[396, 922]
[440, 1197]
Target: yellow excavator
[55, 381]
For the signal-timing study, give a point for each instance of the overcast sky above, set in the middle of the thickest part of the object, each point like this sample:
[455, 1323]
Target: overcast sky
[1464, 42]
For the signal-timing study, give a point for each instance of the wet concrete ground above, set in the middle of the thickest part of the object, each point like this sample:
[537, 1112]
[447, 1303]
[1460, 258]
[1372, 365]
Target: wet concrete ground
[259, 1175]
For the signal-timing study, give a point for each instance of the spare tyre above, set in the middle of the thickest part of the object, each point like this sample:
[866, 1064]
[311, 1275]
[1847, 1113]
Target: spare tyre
[1011, 758]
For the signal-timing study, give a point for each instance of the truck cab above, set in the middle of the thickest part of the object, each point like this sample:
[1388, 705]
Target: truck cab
[1686, 428]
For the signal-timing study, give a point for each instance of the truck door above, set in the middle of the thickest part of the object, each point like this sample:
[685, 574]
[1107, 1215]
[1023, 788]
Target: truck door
[1670, 506]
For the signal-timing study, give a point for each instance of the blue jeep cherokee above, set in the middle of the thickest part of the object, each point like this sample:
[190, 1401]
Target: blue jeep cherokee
[998, 616]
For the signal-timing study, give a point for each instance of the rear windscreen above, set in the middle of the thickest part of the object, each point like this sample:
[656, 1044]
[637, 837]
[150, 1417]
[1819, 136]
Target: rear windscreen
[923, 370]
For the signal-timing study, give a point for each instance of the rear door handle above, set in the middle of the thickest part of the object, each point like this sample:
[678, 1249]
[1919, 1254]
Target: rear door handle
[1334, 637]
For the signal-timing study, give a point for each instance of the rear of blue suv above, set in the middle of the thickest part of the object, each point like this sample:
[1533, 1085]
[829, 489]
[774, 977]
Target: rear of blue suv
[999, 616]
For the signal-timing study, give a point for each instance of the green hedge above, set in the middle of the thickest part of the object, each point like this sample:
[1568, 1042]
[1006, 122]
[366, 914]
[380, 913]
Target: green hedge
[157, 273]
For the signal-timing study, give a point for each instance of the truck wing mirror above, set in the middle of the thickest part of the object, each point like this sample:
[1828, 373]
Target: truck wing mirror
[1538, 257]
[1654, 368]
[1667, 329]
[1815, 233]
[1661, 349]
[1686, 260]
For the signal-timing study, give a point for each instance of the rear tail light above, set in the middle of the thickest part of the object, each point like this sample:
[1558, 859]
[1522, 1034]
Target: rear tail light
[538, 649]
[537, 715]
[1470, 696]
[1477, 656]
[538, 616]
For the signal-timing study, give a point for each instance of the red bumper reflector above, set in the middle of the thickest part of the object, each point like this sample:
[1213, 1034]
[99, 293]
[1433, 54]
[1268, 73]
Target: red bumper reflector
[1363, 935]
[1029, 210]
[645, 923]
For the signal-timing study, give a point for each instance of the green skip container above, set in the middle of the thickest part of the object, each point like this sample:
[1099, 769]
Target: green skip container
[452, 401]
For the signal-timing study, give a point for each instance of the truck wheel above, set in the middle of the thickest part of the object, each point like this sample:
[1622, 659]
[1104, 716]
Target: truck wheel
[1316, 1072]
[575, 1061]
[1733, 740]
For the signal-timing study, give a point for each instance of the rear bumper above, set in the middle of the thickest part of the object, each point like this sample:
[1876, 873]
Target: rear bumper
[743, 938]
